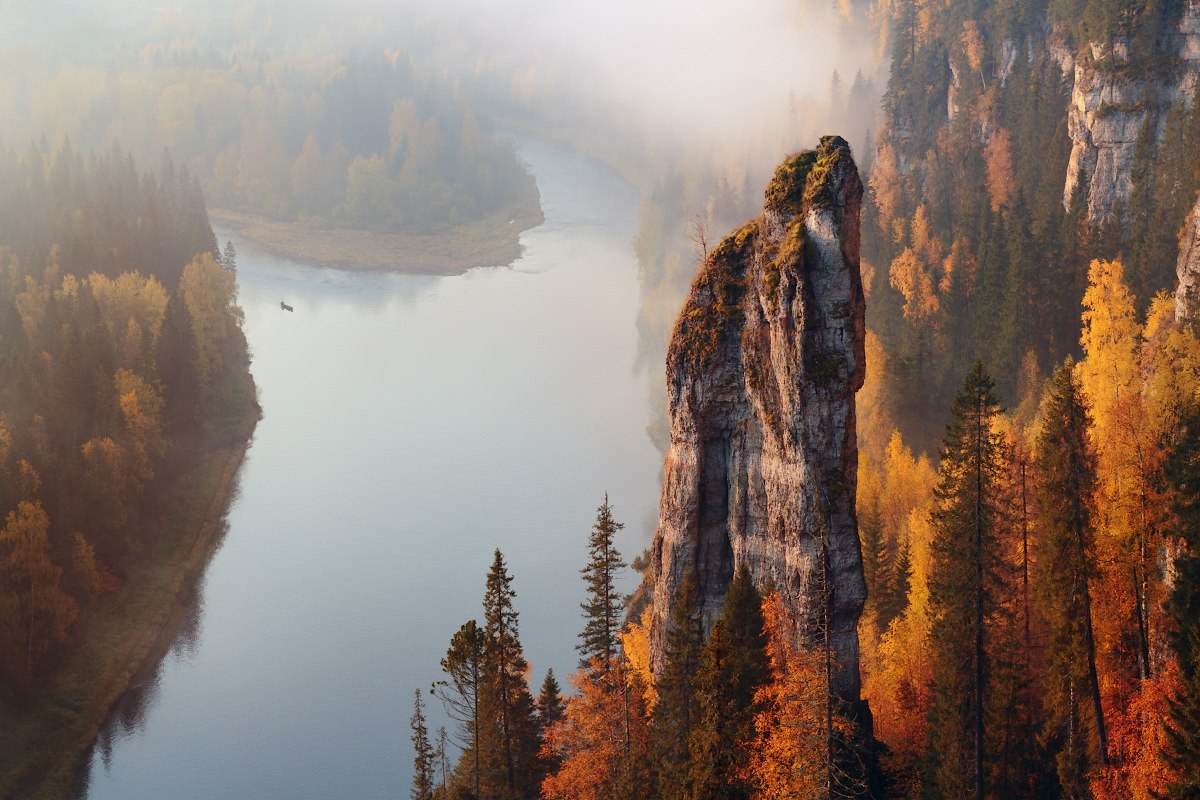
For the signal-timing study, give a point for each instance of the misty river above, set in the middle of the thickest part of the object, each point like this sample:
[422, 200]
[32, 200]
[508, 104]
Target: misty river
[411, 424]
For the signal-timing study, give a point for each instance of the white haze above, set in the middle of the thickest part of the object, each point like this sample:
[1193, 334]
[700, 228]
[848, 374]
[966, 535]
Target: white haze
[708, 74]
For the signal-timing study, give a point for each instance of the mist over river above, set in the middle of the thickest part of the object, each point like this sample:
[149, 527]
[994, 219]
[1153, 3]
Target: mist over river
[411, 425]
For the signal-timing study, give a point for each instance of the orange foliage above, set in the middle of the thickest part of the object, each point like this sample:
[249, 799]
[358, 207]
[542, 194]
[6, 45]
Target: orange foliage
[999, 162]
[602, 739]
[788, 754]
[1137, 740]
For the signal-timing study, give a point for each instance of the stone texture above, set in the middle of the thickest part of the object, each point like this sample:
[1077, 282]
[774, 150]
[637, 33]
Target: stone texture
[1187, 270]
[1111, 106]
[763, 365]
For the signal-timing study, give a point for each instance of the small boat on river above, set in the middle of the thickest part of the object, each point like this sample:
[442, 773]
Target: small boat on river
[285, 306]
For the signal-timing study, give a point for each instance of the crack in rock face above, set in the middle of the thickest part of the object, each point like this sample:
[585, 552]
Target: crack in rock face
[763, 366]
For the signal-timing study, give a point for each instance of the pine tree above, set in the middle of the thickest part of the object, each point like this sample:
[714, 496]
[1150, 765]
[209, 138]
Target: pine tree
[424, 758]
[550, 710]
[604, 606]
[229, 257]
[963, 588]
[1067, 472]
[733, 665]
[676, 712]
[510, 751]
[462, 693]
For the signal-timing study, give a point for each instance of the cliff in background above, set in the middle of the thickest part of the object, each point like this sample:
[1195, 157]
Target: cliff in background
[763, 365]
[1116, 101]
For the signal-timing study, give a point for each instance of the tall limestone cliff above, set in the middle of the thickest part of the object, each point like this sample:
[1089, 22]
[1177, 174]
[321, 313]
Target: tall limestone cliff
[764, 362]
[1115, 100]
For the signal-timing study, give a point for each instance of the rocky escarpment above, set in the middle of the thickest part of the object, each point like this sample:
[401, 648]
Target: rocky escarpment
[1115, 100]
[762, 369]
[1187, 270]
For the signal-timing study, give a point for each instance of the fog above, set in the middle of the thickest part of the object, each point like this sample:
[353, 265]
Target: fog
[708, 75]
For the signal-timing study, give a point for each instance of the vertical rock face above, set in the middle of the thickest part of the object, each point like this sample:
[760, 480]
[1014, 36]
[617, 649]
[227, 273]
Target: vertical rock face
[1187, 270]
[1111, 105]
[763, 365]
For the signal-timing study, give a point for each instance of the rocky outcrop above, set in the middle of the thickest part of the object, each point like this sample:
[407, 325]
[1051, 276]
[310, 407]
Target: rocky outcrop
[763, 365]
[1187, 270]
[1112, 104]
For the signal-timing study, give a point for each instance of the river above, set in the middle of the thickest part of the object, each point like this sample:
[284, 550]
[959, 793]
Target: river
[411, 425]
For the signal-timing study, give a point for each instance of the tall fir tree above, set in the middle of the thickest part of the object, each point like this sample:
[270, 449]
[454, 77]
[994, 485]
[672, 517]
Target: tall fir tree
[964, 588]
[1066, 567]
[550, 710]
[733, 665]
[675, 711]
[510, 757]
[424, 757]
[604, 605]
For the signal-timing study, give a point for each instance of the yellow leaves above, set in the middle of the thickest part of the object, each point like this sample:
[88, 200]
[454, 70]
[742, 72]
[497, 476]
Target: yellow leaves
[128, 297]
[999, 163]
[210, 294]
[635, 647]
[973, 46]
[788, 757]
[875, 424]
[909, 276]
[28, 575]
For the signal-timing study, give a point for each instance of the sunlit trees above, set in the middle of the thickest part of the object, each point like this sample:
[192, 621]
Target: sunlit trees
[1066, 570]
[964, 588]
[791, 755]
[602, 743]
[604, 606]
[733, 665]
[210, 294]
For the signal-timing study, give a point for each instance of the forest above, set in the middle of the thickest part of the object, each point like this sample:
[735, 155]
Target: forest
[1031, 619]
[124, 365]
[1048, 554]
[319, 137]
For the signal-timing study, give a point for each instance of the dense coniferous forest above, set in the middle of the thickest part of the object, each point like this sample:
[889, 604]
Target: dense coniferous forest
[123, 364]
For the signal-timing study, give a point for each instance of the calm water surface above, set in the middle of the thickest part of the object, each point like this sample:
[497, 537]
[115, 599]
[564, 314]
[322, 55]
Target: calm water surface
[411, 425]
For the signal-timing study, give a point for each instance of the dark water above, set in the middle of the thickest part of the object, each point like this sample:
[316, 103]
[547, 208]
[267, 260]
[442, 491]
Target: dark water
[411, 425]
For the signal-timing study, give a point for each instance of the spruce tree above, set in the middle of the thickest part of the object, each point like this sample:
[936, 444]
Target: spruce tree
[1067, 472]
[424, 760]
[510, 750]
[604, 605]
[964, 588]
[550, 710]
[733, 665]
[676, 712]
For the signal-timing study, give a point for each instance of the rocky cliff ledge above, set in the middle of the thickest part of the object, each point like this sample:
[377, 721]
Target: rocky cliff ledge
[762, 369]
[1112, 104]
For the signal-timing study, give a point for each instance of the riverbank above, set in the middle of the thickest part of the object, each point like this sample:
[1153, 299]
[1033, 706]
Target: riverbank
[42, 749]
[494, 241]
